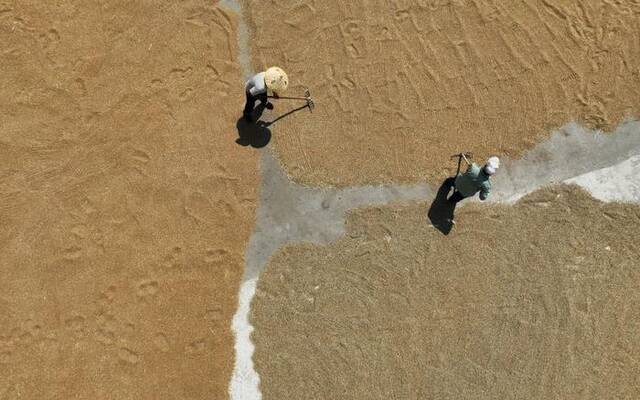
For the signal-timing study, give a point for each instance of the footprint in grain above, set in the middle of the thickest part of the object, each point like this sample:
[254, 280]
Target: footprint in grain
[173, 259]
[195, 347]
[129, 327]
[79, 87]
[72, 253]
[214, 314]
[139, 159]
[147, 288]
[25, 338]
[181, 73]
[185, 94]
[105, 336]
[76, 324]
[33, 327]
[80, 231]
[140, 156]
[49, 345]
[215, 256]
[161, 342]
[157, 83]
[5, 356]
[128, 356]
[49, 39]
[107, 296]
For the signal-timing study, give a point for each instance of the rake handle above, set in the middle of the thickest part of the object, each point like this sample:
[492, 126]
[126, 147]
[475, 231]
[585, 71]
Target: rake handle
[288, 98]
[460, 157]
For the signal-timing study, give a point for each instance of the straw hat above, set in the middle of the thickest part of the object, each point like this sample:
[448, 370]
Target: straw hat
[276, 79]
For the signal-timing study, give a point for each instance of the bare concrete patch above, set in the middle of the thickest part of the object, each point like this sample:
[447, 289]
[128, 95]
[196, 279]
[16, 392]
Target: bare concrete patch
[574, 151]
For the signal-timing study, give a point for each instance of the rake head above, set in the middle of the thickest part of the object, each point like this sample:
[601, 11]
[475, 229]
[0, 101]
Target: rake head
[467, 154]
[310, 103]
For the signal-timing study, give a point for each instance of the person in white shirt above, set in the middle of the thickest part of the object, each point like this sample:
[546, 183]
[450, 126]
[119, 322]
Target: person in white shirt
[273, 79]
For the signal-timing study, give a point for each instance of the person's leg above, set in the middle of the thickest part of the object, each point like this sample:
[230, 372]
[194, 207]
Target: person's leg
[453, 200]
[249, 105]
[456, 197]
[448, 184]
[265, 100]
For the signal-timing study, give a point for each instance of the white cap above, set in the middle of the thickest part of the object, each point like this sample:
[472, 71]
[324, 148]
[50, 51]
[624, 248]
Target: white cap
[492, 165]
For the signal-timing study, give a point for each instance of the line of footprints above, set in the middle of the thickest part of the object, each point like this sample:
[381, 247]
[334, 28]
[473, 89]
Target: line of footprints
[76, 327]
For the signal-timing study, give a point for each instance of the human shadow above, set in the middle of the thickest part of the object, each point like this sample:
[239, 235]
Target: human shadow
[441, 211]
[257, 134]
[254, 134]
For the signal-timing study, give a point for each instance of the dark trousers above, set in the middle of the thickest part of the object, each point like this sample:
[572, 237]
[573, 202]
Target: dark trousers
[251, 102]
[456, 197]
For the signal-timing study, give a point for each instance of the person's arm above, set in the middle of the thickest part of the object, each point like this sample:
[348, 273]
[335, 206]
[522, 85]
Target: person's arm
[254, 91]
[470, 168]
[484, 192]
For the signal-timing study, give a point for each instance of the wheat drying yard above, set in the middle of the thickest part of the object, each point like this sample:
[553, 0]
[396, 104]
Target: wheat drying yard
[126, 206]
[145, 254]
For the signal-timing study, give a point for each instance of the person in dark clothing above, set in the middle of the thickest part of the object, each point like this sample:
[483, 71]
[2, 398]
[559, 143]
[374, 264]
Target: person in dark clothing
[251, 103]
[256, 89]
[474, 180]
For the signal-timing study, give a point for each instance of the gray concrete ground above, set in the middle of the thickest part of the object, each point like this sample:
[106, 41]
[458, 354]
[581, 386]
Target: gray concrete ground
[291, 213]
[570, 152]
